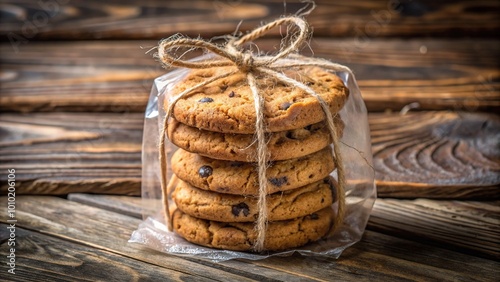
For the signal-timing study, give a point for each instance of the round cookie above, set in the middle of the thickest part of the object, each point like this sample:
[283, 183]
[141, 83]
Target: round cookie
[280, 235]
[234, 208]
[242, 147]
[227, 105]
[241, 178]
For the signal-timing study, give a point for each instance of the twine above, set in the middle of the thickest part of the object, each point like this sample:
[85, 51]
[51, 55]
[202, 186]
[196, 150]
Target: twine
[252, 64]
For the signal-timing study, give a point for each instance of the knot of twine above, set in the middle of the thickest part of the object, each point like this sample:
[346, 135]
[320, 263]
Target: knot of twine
[252, 64]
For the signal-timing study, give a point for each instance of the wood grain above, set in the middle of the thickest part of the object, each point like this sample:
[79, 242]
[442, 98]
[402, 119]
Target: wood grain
[126, 205]
[376, 255]
[436, 155]
[464, 226]
[45, 258]
[62, 19]
[105, 231]
[71, 119]
[57, 153]
[469, 226]
[116, 76]
[92, 76]
[61, 153]
[413, 262]
[458, 75]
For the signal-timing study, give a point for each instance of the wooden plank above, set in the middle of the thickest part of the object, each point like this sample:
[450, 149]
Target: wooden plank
[93, 76]
[469, 226]
[58, 153]
[131, 206]
[436, 155]
[107, 232]
[464, 226]
[116, 76]
[45, 258]
[62, 19]
[412, 262]
[429, 74]
[61, 153]
[377, 255]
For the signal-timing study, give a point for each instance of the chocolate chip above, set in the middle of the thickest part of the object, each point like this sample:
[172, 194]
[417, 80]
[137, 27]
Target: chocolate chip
[237, 164]
[313, 127]
[329, 181]
[231, 94]
[278, 181]
[223, 87]
[206, 100]
[240, 208]
[205, 171]
[333, 189]
[285, 106]
[314, 216]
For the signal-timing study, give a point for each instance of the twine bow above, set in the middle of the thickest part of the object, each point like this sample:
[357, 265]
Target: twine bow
[252, 64]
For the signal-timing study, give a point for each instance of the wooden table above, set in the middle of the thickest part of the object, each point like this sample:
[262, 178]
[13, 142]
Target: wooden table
[75, 81]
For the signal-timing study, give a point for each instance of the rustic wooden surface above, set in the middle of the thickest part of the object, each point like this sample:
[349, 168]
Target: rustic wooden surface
[418, 154]
[107, 231]
[436, 154]
[47, 258]
[71, 119]
[470, 227]
[55, 153]
[155, 18]
[116, 76]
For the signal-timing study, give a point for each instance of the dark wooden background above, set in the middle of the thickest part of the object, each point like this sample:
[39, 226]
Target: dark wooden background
[75, 79]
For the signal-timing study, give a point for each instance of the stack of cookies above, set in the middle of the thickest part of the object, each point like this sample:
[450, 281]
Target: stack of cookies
[215, 187]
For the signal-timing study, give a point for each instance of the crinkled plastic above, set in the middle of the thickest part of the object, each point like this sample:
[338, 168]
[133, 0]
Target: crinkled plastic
[356, 152]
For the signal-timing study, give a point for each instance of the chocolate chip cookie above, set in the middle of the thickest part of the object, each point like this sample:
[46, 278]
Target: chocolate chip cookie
[227, 105]
[282, 145]
[240, 178]
[235, 208]
[280, 235]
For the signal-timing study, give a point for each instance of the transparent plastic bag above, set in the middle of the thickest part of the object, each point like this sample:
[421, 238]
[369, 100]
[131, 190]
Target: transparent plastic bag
[360, 191]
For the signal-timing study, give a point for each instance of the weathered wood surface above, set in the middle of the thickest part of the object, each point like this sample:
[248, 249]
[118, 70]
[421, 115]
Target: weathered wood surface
[377, 256]
[54, 153]
[126, 205]
[436, 154]
[46, 258]
[420, 154]
[62, 19]
[89, 77]
[464, 226]
[116, 76]
[468, 226]
[82, 133]
[102, 230]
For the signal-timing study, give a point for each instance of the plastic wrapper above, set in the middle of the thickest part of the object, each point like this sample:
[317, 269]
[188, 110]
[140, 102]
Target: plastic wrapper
[360, 191]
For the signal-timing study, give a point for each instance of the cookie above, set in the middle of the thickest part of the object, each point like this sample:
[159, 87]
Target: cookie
[280, 235]
[234, 208]
[242, 147]
[241, 178]
[227, 105]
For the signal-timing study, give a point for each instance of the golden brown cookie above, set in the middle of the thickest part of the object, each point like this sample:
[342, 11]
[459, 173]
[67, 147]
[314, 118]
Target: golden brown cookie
[234, 208]
[280, 235]
[227, 105]
[240, 178]
[242, 147]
